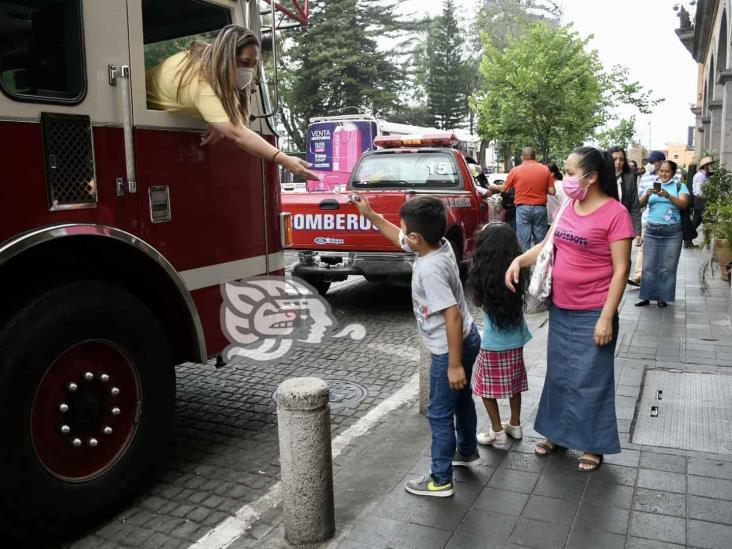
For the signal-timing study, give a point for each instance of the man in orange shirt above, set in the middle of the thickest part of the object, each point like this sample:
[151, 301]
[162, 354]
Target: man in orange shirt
[533, 182]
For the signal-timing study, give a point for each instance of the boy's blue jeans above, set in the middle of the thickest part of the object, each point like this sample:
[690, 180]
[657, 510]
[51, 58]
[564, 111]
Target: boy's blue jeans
[451, 411]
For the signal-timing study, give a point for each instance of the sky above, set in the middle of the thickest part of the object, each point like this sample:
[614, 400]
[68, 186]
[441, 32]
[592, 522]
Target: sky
[638, 34]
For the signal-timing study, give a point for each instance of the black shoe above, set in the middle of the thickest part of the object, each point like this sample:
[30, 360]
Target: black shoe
[462, 460]
[642, 303]
[662, 304]
[632, 282]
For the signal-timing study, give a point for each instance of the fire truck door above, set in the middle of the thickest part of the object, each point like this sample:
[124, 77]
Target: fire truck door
[201, 206]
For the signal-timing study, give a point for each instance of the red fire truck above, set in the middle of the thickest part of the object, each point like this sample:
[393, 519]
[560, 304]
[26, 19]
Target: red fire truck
[333, 241]
[117, 230]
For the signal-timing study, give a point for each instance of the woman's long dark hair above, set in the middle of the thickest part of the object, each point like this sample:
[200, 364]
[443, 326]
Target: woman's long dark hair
[497, 247]
[595, 160]
[619, 149]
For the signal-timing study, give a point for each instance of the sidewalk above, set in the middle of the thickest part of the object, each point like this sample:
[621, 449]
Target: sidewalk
[647, 496]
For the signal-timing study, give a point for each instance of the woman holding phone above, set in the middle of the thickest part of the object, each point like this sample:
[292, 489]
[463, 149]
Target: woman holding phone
[666, 197]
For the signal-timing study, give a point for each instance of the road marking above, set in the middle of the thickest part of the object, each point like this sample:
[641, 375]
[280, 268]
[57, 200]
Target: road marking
[228, 531]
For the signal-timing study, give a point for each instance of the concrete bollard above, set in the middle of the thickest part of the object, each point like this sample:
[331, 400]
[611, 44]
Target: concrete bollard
[425, 358]
[303, 423]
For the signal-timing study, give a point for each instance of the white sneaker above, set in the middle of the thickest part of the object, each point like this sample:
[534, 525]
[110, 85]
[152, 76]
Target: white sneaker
[514, 431]
[491, 437]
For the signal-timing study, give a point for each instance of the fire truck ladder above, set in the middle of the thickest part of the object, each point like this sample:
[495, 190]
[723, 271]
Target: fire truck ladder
[289, 15]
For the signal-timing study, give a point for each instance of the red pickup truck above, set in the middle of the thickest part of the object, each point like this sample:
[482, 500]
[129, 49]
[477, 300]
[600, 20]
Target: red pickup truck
[335, 241]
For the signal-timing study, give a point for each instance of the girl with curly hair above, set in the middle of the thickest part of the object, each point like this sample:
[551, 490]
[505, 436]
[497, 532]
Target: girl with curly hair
[499, 371]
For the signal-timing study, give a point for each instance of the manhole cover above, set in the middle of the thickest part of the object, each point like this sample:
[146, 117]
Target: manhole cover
[689, 411]
[343, 394]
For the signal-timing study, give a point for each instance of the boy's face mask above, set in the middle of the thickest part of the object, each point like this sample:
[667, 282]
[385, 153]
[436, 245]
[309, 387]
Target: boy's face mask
[404, 241]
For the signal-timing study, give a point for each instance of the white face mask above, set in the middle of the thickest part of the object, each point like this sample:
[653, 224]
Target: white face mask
[404, 242]
[244, 77]
[650, 168]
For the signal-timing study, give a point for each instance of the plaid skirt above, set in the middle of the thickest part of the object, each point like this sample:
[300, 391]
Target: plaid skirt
[499, 374]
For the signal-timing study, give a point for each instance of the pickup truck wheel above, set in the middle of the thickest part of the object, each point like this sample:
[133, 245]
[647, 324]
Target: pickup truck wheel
[462, 267]
[87, 393]
[318, 282]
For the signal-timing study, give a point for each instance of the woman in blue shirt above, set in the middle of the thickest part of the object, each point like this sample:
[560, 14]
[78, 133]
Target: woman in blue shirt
[666, 197]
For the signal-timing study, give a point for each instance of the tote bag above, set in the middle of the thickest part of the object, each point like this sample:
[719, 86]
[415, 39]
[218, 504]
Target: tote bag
[540, 286]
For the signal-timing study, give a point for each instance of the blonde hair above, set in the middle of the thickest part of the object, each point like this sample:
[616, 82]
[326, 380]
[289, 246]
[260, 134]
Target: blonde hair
[217, 63]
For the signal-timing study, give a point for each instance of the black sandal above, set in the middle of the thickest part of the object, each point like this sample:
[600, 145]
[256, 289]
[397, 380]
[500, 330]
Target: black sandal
[587, 461]
[547, 445]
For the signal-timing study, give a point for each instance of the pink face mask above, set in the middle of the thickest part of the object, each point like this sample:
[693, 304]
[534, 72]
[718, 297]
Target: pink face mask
[572, 188]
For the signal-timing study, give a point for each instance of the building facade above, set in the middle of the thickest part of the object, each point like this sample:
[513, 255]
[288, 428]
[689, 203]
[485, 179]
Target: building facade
[707, 36]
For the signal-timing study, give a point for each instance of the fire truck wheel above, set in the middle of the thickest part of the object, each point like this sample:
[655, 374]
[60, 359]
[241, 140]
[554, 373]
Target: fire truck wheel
[87, 393]
[319, 283]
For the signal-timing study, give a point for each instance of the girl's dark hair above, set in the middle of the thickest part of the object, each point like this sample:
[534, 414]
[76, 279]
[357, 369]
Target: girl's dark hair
[555, 171]
[595, 160]
[619, 149]
[671, 165]
[496, 248]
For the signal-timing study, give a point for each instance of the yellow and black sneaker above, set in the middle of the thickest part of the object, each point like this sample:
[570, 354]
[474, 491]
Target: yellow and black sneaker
[427, 486]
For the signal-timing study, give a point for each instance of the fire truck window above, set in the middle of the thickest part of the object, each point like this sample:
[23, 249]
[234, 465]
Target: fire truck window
[169, 26]
[41, 50]
[407, 170]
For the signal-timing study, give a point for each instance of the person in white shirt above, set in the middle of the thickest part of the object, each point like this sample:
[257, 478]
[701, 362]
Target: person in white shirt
[701, 177]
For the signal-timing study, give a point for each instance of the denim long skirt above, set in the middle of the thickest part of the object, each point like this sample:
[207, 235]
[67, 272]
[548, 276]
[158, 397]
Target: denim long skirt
[577, 407]
[661, 252]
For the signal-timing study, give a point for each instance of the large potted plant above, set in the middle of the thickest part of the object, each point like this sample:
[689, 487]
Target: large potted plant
[718, 219]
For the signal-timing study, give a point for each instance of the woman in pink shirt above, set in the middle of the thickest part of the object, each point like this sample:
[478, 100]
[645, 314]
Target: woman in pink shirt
[591, 264]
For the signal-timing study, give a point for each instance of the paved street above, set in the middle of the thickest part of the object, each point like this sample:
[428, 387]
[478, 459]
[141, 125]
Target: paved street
[224, 452]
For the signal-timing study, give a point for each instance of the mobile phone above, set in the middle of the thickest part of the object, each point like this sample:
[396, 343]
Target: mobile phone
[656, 186]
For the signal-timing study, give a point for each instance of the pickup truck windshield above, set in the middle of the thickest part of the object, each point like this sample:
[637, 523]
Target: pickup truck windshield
[407, 170]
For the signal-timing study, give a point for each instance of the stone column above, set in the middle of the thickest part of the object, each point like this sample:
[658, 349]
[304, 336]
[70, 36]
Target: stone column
[306, 462]
[725, 146]
[698, 131]
[706, 134]
[715, 127]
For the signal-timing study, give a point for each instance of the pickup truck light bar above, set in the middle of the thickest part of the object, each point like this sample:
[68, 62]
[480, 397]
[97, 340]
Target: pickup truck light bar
[421, 140]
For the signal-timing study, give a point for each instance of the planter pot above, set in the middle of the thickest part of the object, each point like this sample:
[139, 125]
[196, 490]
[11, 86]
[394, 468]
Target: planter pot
[723, 253]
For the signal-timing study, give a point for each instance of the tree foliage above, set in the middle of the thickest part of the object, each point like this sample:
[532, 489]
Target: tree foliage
[333, 66]
[499, 21]
[622, 134]
[443, 71]
[547, 90]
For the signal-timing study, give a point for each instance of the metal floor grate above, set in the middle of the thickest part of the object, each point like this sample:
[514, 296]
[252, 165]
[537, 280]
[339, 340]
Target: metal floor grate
[690, 411]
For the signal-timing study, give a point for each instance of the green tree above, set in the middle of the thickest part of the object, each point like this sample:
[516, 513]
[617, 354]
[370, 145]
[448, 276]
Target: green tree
[622, 134]
[503, 20]
[333, 66]
[443, 70]
[545, 89]
[498, 22]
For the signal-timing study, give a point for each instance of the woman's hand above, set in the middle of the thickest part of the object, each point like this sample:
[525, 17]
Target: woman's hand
[211, 136]
[663, 193]
[603, 332]
[512, 274]
[639, 240]
[297, 166]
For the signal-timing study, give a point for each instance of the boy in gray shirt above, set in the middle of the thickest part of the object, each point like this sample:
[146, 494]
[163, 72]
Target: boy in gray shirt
[447, 330]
